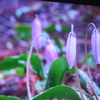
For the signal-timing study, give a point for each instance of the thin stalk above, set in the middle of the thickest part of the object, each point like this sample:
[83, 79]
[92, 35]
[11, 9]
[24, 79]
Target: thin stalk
[78, 81]
[27, 71]
[88, 68]
[28, 66]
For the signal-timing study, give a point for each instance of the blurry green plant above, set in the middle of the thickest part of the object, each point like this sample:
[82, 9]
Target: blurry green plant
[59, 92]
[23, 31]
[57, 71]
[90, 61]
[9, 98]
[52, 29]
[20, 62]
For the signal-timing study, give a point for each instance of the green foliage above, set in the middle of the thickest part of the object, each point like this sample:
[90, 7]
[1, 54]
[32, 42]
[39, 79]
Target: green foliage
[23, 31]
[56, 72]
[9, 98]
[65, 29]
[10, 63]
[90, 60]
[59, 92]
[20, 71]
[20, 62]
[36, 65]
[58, 42]
[51, 29]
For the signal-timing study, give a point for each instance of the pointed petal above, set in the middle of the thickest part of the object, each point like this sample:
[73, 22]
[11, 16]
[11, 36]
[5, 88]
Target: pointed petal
[71, 49]
[36, 31]
[50, 52]
[96, 45]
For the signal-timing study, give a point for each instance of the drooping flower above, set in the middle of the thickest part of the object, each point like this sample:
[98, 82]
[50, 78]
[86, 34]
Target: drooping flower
[95, 42]
[50, 53]
[36, 31]
[71, 48]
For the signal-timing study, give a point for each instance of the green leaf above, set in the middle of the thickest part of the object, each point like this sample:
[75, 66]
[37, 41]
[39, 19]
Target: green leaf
[37, 65]
[56, 72]
[71, 70]
[59, 92]
[23, 31]
[10, 63]
[84, 79]
[9, 98]
[51, 29]
[20, 71]
[58, 42]
[90, 60]
[35, 62]
[20, 62]
[65, 29]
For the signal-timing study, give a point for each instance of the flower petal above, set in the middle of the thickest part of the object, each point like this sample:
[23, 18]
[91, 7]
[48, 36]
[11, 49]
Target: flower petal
[36, 31]
[96, 45]
[50, 52]
[71, 49]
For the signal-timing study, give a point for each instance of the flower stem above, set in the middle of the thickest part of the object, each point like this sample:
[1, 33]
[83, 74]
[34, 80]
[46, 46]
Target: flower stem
[88, 68]
[28, 66]
[27, 71]
[78, 81]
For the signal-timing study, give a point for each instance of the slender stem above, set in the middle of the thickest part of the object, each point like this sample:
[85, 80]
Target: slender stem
[78, 81]
[28, 66]
[88, 68]
[27, 73]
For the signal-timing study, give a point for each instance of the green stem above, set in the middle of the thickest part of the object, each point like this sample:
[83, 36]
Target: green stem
[88, 68]
[28, 66]
[78, 81]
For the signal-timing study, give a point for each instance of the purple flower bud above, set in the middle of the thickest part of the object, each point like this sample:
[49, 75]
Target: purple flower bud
[50, 52]
[71, 48]
[36, 31]
[95, 41]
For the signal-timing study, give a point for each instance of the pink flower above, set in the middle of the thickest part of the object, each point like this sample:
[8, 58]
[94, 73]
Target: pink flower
[95, 41]
[71, 48]
[50, 53]
[36, 31]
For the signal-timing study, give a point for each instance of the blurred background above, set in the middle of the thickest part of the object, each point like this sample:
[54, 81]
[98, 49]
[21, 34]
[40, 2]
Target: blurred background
[16, 17]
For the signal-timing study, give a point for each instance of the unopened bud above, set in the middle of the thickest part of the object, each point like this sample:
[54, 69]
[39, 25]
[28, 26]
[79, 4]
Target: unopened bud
[36, 31]
[71, 48]
[50, 52]
[95, 41]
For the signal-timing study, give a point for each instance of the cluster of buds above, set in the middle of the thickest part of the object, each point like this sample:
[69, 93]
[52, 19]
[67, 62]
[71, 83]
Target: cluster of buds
[50, 52]
[71, 46]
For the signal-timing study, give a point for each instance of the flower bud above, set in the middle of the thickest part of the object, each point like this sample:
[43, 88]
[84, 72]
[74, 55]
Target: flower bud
[50, 52]
[95, 42]
[36, 31]
[71, 48]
